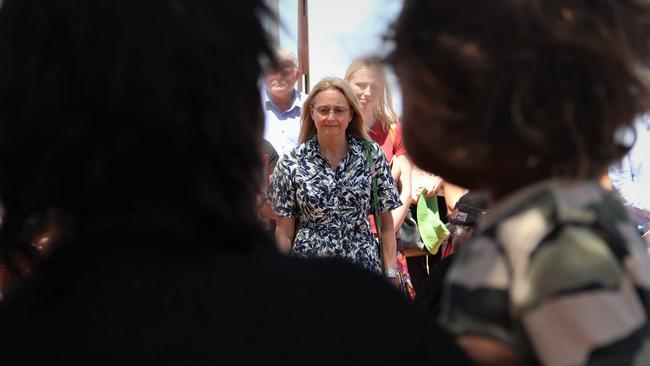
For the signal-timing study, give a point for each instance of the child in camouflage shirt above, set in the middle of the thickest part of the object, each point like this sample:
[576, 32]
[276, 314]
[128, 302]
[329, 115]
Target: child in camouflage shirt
[526, 101]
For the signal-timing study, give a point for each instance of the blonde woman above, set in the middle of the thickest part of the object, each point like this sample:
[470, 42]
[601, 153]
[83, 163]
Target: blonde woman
[368, 81]
[325, 185]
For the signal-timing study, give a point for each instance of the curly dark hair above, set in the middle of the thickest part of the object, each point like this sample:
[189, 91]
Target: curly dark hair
[131, 111]
[499, 94]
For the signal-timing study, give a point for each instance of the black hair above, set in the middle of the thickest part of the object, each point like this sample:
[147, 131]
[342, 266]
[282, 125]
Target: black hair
[469, 209]
[117, 109]
[501, 94]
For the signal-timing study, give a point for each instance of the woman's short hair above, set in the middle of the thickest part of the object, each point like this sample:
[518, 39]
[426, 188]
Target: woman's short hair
[384, 112]
[356, 127]
[520, 89]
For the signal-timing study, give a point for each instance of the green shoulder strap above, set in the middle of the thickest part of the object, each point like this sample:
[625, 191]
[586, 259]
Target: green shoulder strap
[375, 197]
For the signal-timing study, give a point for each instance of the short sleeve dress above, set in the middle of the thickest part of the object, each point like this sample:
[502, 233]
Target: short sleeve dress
[332, 206]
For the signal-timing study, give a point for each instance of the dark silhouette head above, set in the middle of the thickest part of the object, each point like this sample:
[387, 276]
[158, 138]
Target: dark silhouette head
[501, 94]
[131, 111]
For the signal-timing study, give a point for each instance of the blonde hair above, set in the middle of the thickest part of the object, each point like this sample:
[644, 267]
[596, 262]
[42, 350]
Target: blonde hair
[384, 112]
[356, 127]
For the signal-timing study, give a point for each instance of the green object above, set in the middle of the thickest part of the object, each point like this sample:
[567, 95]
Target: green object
[432, 230]
[375, 201]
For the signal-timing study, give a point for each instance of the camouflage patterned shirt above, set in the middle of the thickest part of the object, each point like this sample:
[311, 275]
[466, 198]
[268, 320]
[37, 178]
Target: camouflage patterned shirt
[558, 272]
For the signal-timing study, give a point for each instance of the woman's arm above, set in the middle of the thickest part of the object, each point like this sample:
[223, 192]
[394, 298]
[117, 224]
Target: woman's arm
[266, 211]
[284, 232]
[282, 196]
[424, 182]
[452, 194]
[402, 166]
[389, 244]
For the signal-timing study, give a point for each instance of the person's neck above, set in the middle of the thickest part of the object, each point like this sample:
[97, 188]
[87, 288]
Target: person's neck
[284, 103]
[333, 148]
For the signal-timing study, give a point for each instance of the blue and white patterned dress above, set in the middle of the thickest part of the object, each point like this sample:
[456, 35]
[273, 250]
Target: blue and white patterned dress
[332, 205]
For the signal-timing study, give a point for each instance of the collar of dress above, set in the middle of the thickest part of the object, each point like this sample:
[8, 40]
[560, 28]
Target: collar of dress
[354, 145]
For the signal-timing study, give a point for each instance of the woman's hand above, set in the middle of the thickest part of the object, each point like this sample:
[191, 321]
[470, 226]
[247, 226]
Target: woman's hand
[426, 183]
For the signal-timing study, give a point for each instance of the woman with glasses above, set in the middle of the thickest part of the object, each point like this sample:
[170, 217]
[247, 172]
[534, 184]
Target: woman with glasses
[322, 192]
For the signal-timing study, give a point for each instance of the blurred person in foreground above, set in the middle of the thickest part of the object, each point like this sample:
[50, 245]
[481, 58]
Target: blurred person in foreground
[525, 100]
[138, 124]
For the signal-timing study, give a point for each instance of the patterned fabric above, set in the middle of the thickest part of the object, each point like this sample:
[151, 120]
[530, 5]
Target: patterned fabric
[556, 271]
[332, 205]
[405, 277]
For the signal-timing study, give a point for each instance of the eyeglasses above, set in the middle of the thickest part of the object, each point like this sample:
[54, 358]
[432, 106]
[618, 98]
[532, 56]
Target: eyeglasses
[338, 111]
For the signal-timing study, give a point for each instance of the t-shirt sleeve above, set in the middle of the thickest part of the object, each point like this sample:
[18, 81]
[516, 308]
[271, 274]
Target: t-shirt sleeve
[564, 300]
[399, 148]
[386, 187]
[282, 192]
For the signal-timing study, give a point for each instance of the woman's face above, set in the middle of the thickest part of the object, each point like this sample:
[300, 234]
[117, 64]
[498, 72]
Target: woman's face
[331, 114]
[367, 86]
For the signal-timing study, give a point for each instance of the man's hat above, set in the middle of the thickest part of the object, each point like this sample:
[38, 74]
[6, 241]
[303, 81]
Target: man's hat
[469, 209]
